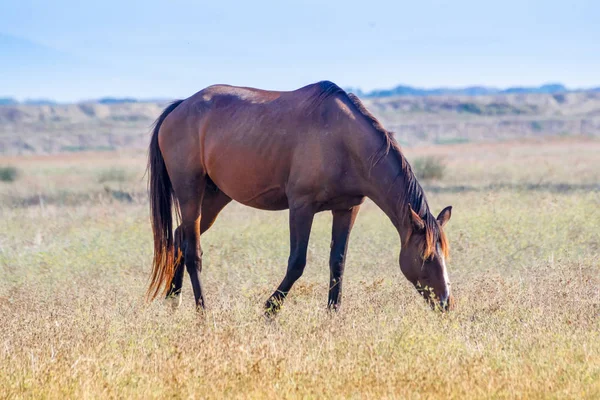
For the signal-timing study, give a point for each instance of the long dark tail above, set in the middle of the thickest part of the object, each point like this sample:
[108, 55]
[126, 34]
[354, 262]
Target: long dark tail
[162, 199]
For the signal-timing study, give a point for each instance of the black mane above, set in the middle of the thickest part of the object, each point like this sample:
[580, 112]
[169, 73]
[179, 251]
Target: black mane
[414, 194]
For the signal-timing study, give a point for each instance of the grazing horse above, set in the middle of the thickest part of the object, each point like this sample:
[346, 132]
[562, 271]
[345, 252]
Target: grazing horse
[313, 149]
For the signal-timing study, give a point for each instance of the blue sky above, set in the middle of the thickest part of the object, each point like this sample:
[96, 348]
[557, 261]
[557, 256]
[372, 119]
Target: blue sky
[74, 50]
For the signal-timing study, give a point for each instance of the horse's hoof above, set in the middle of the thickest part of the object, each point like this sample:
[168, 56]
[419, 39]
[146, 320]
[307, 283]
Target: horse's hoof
[272, 307]
[174, 301]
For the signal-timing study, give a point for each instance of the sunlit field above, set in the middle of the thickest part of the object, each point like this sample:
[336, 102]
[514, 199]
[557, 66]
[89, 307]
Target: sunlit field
[75, 255]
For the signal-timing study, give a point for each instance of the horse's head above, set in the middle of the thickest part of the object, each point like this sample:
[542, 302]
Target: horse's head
[423, 258]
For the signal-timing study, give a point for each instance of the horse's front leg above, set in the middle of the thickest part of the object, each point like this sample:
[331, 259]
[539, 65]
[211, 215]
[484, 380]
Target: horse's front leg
[301, 219]
[343, 220]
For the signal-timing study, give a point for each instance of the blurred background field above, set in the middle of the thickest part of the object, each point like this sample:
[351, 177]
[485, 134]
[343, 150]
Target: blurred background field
[441, 119]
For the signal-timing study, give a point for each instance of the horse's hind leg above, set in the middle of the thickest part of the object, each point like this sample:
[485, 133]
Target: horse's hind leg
[174, 294]
[212, 204]
[189, 187]
[214, 201]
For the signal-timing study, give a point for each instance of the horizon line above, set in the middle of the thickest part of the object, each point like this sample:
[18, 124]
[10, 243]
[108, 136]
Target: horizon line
[378, 92]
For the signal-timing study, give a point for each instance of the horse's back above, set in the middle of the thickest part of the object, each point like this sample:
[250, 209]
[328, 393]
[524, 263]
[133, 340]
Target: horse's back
[242, 94]
[221, 95]
[258, 145]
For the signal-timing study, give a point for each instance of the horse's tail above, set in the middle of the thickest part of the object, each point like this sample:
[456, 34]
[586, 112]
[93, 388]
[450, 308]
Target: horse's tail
[162, 199]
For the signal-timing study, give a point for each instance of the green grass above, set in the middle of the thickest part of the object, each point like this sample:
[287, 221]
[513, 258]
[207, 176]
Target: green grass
[113, 175]
[536, 126]
[428, 168]
[73, 148]
[8, 174]
[452, 140]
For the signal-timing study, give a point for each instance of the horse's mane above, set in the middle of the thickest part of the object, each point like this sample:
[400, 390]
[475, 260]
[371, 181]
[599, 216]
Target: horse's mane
[414, 194]
[327, 89]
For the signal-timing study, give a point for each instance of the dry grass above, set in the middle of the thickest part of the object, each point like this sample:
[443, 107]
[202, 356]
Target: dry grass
[525, 271]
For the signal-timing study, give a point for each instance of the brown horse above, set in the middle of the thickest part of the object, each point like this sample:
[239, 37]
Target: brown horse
[309, 150]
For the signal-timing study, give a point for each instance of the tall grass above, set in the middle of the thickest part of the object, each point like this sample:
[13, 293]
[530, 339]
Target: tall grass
[75, 323]
[525, 271]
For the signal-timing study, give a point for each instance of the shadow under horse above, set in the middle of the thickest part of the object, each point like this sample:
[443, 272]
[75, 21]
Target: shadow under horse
[313, 149]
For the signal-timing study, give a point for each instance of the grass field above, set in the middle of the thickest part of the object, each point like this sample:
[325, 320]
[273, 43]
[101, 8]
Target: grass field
[75, 252]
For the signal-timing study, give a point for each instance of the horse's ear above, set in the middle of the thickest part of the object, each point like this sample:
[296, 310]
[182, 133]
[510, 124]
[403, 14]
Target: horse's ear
[444, 216]
[417, 222]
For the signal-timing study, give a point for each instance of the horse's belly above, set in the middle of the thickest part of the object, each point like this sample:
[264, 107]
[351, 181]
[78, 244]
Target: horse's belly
[273, 198]
[250, 171]
[248, 189]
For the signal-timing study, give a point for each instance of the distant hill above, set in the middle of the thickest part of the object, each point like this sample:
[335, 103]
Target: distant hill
[111, 124]
[115, 100]
[38, 102]
[8, 101]
[405, 90]
[400, 90]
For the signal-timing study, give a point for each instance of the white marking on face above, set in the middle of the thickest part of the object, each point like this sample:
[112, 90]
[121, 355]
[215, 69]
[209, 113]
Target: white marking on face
[444, 269]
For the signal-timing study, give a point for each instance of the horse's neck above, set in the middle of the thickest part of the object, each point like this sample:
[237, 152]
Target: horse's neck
[386, 185]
